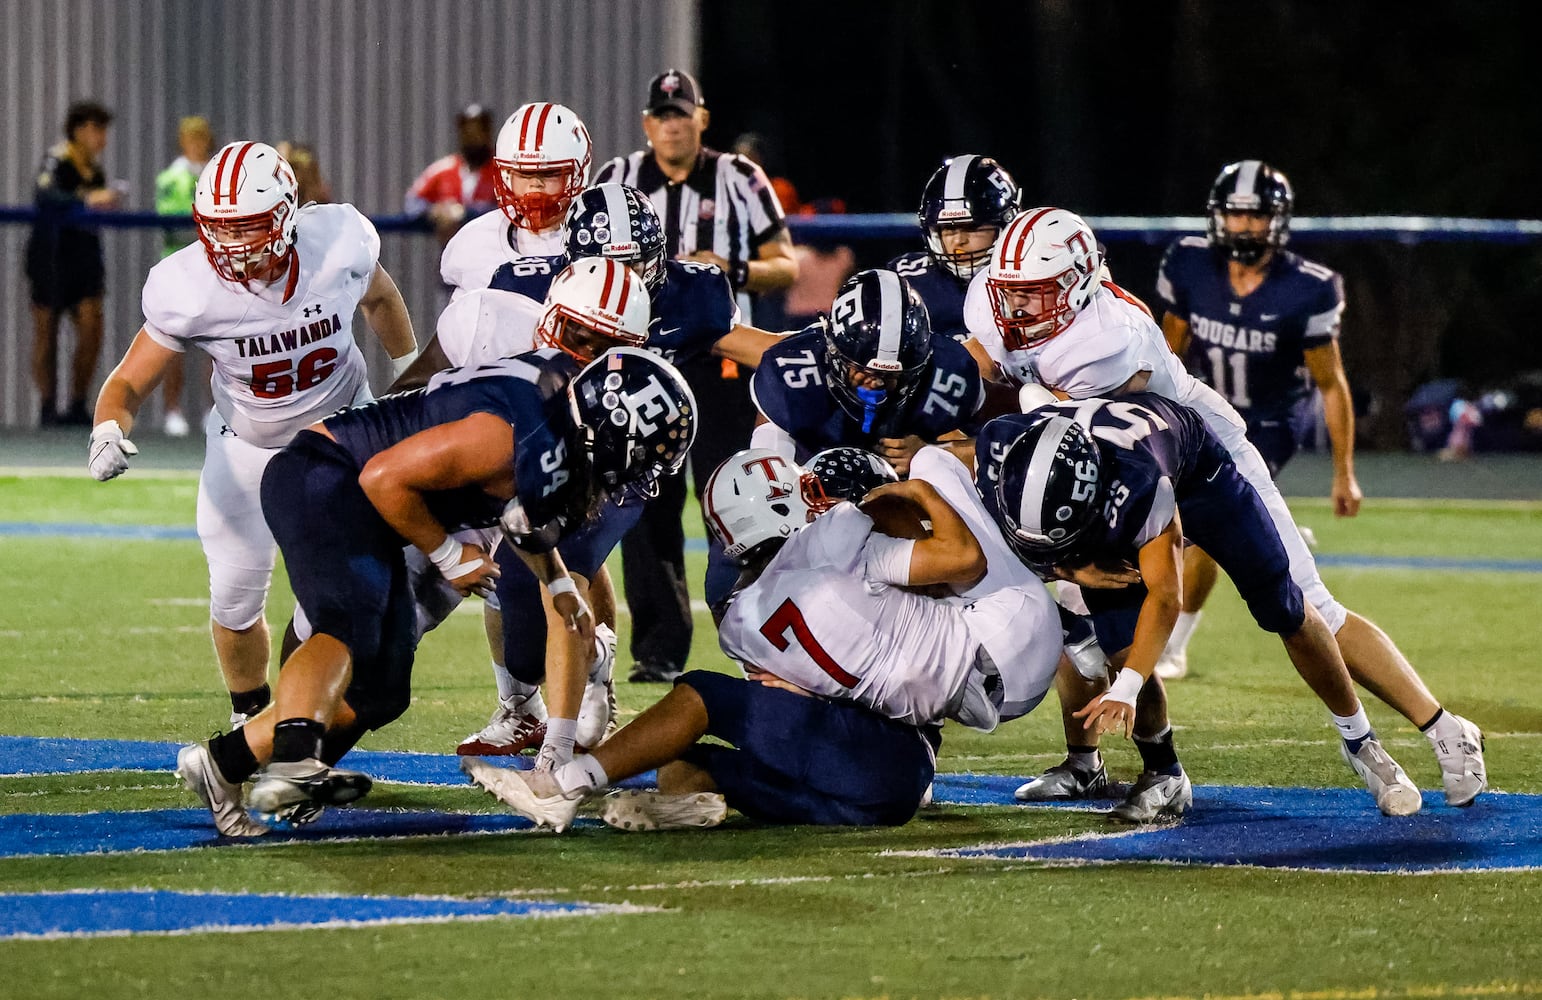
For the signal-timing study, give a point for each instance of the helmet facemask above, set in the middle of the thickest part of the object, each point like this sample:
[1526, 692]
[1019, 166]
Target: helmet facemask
[536, 211]
[962, 264]
[1030, 312]
[582, 338]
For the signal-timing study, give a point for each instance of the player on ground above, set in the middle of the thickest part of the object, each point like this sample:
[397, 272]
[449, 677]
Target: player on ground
[1044, 313]
[965, 205]
[542, 159]
[516, 443]
[1249, 318]
[822, 609]
[1103, 493]
[269, 293]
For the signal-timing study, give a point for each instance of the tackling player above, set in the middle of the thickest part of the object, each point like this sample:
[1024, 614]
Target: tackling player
[269, 293]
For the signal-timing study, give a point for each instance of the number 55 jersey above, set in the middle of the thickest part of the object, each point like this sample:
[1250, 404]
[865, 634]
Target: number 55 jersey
[284, 354]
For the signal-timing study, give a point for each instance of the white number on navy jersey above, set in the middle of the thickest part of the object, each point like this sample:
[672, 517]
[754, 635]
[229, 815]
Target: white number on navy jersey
[800, 370]
[1139, 423]
[1238, 362]
[512, 367]
[946, 385]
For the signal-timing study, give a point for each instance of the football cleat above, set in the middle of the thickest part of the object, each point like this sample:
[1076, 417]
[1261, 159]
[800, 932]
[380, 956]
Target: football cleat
[175, 424]
[1395, 794]
[1173, 664]
[1155, 796]
[517, 725]
[653, 672]
[1063, 783]
[238, 719]
[638, 811]
[284, 785]
[597, 711]
[532, 794]
[1461, 762]
[198, 772]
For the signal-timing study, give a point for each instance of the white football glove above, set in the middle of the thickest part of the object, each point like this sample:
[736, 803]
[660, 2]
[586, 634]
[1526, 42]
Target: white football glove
[110, 451]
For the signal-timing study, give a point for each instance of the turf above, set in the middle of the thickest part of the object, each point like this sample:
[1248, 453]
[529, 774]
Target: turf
[107, 639]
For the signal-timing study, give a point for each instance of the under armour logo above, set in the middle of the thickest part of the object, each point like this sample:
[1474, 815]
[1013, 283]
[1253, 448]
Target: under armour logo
[312, 311]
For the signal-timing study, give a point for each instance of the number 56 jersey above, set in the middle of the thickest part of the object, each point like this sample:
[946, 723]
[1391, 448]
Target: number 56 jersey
[284, 354]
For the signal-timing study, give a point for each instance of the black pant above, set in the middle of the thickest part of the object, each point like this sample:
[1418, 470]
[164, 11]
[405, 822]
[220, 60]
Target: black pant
[653, 553]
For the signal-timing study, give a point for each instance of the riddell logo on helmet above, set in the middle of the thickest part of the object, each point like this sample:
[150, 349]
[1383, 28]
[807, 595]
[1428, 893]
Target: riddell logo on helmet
[620, 249]
[952, 213]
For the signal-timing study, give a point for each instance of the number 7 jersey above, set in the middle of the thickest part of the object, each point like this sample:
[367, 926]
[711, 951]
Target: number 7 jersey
[284, 355]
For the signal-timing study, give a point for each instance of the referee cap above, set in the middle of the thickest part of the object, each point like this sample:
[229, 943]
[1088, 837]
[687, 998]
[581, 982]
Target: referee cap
[676, 89]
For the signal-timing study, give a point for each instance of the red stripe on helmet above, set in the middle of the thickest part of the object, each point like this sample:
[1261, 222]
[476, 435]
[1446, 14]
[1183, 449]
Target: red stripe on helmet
[235, 171]
[706, 499]
[610, 276]
[626, 287]
[219, 173]
[524, 127]
[1022, 239]
[540, 126]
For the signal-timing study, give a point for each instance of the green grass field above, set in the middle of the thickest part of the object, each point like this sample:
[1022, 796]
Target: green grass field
[106, 638]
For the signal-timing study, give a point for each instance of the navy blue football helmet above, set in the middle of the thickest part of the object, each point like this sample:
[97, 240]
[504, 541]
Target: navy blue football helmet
[848, 473]
[967, 191]
[1249, 186]
[636, 419]
[1050, 495]
[878, 345]
[618, 222]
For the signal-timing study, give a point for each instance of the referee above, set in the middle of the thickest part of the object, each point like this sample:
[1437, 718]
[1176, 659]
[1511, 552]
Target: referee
[719, 209]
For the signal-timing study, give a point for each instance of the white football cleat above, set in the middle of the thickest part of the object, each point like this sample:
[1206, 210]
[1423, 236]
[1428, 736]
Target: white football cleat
[284, 785]
[638, 811]
[198, 772]
[1461, 761]
[175, 424]
[517, 725]
[1173, 664]
[238, 719]
[532, 794]
[1065, 782]
[1155, 796]
[1395, 794]
[597, 711]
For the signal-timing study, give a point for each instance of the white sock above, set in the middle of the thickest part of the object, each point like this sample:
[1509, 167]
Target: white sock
[1352, 727]
[581, 774]
[510, 689]
[1188, 621]
[558, 745]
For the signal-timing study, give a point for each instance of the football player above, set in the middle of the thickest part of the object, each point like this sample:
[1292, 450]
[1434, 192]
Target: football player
[268, 292]
[965, 205]
[523, 443]
[1248, 317]
[824, 609]
[542, 158]
[1043, 313]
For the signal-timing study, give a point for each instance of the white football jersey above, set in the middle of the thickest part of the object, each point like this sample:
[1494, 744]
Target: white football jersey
[826, 616]
[485, 244]
[484, 325]
[284, 354]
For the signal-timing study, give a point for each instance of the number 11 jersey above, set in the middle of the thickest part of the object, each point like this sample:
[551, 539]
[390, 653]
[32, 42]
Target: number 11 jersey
[284, 354]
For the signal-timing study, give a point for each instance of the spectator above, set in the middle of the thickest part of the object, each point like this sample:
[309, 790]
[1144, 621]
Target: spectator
[461, 184]
[174, 188]
[823, 263]
[64, 260]
[718, 209]
[313, 188]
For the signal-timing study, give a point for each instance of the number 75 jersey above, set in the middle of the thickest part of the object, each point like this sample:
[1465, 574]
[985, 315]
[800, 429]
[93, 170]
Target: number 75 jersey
[789, 389]
[284, 355]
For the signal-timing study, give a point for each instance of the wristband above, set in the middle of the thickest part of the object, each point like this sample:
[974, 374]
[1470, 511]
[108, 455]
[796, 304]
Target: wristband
[1125, 687]
[739, 274]
[561, 585]
[401, 364]
[447, 558]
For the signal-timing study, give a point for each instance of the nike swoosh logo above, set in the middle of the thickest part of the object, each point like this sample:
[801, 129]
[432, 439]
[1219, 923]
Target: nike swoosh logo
[1211, 478]
[1268, 317]
[673, 329]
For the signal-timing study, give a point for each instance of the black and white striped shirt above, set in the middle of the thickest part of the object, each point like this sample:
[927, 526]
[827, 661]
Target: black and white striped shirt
[726, 206]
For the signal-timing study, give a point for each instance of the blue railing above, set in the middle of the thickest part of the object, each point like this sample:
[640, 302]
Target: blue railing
[902, 225]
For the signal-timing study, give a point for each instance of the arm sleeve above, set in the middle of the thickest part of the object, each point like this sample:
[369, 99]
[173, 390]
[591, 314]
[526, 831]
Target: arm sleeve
[773, 437]
[887, 560]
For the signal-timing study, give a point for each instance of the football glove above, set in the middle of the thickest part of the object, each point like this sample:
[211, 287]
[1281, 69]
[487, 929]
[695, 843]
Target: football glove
[110, 451]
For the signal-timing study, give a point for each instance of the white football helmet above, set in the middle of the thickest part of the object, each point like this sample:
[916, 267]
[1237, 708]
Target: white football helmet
[1044, 270]
[757, 496]
[246, 207]
[593, 305]
[538, 138]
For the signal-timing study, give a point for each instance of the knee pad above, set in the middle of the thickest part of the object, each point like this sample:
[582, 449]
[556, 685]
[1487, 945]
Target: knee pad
[237, 596]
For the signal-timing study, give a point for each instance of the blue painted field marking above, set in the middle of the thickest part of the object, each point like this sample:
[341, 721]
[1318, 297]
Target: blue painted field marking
[115, 913]
[153, 532]
[1314, 829]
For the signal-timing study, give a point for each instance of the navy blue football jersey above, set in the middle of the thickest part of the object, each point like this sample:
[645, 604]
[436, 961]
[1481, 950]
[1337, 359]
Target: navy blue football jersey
[1250, 349]
[1143, 439]
[938, 288]
[528, 391]
[529, 276]
[789, 389]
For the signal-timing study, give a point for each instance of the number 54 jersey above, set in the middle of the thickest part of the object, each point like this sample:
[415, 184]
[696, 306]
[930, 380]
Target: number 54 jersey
[284, 354]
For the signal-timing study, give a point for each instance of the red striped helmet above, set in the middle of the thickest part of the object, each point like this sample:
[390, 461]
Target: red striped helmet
[245, 207]
[593, 305]
[757, 496]
[1045, 269]
[540, 138]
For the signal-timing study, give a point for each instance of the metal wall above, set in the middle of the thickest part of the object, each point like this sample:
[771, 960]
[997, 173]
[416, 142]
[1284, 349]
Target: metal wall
[373, 85]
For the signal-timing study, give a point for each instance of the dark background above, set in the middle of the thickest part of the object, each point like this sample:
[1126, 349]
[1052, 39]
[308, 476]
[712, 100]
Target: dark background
[1131, 108]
